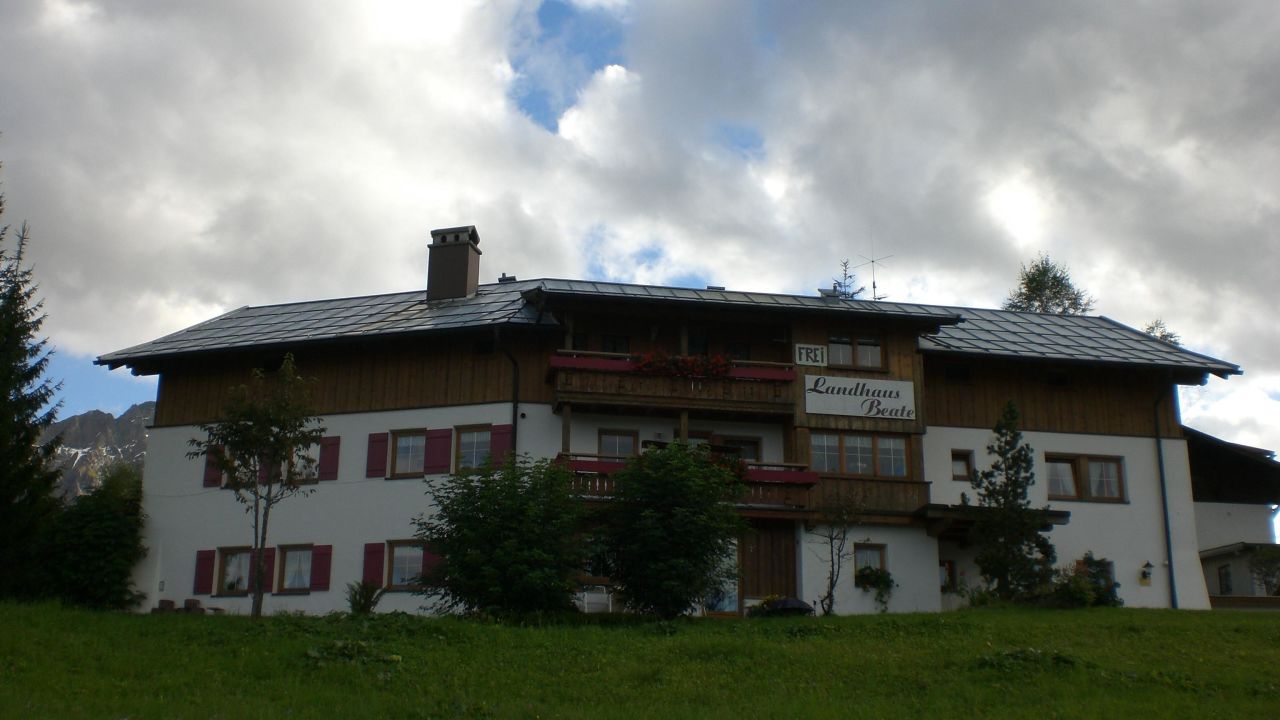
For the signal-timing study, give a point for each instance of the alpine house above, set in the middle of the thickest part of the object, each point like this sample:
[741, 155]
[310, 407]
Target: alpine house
[819, 395]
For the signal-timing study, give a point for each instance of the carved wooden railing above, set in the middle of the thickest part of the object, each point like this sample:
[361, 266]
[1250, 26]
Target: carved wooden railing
[614, 379]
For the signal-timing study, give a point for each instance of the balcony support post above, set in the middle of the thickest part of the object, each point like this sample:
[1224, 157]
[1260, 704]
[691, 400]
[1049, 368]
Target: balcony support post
[566, 426]
[684, 426]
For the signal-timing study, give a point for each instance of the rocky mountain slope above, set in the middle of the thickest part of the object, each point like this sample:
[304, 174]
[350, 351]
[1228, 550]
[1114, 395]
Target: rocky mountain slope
[94, 440]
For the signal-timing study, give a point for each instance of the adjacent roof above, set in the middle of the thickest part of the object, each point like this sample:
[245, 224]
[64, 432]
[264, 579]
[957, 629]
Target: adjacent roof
[961, 331]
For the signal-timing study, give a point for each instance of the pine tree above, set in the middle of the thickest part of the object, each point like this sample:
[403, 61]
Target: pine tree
[1045, 287]
[27, 479]
[1012, 554]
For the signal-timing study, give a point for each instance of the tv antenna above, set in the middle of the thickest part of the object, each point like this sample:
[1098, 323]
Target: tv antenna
[875, 295]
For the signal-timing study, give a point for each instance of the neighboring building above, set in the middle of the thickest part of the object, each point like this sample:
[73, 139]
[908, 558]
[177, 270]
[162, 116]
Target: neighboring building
[1235, 488]
[892, 402]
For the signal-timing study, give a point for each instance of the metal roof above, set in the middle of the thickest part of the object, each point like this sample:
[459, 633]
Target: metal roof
[1082, 338]
[964, 331]
[343, 318]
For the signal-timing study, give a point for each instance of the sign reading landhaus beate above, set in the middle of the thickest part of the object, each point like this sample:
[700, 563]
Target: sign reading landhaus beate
[888, 399]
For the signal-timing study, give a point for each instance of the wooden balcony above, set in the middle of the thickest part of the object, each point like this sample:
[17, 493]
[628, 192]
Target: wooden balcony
[774, 489]
[605, 379]
[871, 496]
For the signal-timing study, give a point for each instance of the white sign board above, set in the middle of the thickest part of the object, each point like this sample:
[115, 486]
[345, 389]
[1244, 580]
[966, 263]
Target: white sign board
[887, 399]
[811, 355]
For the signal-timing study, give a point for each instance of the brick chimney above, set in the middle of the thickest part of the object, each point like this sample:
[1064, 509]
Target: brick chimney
[453, 263]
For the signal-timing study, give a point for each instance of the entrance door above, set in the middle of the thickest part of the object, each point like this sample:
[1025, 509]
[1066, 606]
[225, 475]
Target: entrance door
[768, 559]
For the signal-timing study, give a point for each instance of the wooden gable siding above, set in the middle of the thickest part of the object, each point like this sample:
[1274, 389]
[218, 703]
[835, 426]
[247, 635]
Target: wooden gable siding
[379, 376]
[1080, 399]
[902, 362]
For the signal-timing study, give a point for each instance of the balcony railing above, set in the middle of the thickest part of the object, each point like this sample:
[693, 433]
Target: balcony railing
[871, 495]
[623, 380]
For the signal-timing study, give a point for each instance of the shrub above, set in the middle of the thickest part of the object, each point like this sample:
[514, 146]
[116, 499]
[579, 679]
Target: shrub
[871, 578]
[507, 538]
[670, 529]
[1087, 583]
[363, 597]
[96, 541]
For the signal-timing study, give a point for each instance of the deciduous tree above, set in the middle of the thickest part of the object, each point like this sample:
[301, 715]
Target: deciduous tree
[670, 528]
[263, 444]
[1014, 556]
[1046, 287]
[838, 518]
[27, 479]
[507, 536]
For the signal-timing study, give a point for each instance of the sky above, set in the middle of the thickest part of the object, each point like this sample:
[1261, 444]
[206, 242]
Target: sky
[178, 160]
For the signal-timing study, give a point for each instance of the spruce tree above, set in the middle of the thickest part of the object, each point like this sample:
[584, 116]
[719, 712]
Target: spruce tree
[1046, 287]
[1013, 555]
[27, 479]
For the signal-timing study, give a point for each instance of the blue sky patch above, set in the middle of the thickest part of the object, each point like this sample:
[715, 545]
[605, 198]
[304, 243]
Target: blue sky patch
[86, 386]
[742, 139]
[569, 44]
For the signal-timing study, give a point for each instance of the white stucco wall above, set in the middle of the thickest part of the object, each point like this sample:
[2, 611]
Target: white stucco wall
[911, 556]
[183, 516]
[1128, 534]
[1219, 524]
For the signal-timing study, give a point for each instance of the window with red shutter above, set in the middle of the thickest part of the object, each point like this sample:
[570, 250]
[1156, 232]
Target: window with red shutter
[374, 557]
[327, 467]
[439, 454]
[203, 584]
[376, 461]
[321, 562]
[500, 443]
[212, 472]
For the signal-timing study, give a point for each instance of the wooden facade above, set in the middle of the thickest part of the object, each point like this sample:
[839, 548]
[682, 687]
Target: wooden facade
[1071, 399]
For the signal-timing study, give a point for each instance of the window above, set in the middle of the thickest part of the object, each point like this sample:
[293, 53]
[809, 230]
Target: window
[295, 568]
[473, 447]
[578, 341]
[408, 453]
[868, 555]
[859, 454]
[1103, 478]
[947, 575]
[864, 351]
[744, 447]
[619, 443]
[406, 565]
[961, 465]
[737, 350]
[233, 576]
[615, 344]
[697, 342]
[1224, 580]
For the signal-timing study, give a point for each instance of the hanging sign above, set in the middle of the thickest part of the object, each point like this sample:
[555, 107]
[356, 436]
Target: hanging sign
[811, 355]
[888, 399]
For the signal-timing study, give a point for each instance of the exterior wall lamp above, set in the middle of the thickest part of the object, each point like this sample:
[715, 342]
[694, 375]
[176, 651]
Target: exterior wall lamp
[1144, 578]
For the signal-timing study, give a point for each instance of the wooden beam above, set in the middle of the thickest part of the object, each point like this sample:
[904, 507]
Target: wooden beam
[566, 426]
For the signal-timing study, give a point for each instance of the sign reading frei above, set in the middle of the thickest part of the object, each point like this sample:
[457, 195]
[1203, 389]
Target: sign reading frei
[889, 399]
[811, 355]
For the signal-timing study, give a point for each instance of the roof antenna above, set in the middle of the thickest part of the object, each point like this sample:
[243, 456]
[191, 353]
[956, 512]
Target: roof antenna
[875, 295]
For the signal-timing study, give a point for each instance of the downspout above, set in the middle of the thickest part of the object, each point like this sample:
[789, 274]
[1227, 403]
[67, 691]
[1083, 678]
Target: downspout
[515, 392]
[1164, 504]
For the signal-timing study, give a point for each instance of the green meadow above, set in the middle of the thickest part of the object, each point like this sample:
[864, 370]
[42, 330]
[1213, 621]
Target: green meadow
[57, 662]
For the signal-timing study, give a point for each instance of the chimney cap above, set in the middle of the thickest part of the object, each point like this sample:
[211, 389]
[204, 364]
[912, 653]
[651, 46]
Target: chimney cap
[461, 233]
[505, 278]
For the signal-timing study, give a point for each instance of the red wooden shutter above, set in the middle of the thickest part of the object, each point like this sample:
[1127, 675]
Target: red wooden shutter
[268, 566]
[374, 555]
[328, 464]
[375, 464]
[212, 473]
[263, 477]
[204, 572]
[430, 561]
[439, 454]
[499, 443]
[321, 561]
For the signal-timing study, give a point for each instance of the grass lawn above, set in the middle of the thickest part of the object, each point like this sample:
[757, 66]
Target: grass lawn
[57, 662]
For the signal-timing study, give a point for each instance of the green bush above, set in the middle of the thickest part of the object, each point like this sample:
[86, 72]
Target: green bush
[870, 578]
[508, 539]
[670, 528]
[1087, 583]
[96, 541]
[363, 597]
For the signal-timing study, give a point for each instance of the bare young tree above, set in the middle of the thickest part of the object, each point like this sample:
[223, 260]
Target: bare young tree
[839, 516]
[263, 446]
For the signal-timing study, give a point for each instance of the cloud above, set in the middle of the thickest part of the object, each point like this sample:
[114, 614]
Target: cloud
[177, 161]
